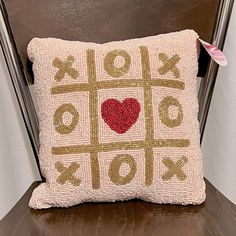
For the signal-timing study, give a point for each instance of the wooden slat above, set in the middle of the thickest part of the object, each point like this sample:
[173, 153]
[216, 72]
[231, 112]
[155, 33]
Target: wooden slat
[103, 21]
[217, 216]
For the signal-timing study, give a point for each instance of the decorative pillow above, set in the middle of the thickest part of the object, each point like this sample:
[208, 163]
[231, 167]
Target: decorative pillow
[118, 120]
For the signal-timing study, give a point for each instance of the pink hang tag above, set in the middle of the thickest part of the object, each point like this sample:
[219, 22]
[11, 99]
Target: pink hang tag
[215, 53]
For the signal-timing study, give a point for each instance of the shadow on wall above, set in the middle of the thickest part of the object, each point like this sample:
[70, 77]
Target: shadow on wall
[17, 165]
[218, 146]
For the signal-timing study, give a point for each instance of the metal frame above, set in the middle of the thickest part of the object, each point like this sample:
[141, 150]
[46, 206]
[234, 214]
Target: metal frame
[24, 98]
[208, 82]
[19, 83]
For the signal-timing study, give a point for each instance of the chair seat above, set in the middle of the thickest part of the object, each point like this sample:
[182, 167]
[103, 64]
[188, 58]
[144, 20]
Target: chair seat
[217, 216]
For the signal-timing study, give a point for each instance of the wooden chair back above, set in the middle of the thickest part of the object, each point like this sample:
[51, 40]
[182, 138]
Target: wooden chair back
[103, 21]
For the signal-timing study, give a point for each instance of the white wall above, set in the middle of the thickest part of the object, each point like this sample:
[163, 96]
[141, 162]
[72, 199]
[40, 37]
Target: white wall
[17, 165]
[219, 143]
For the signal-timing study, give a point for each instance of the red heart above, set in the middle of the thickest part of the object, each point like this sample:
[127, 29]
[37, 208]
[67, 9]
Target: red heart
[120, 116]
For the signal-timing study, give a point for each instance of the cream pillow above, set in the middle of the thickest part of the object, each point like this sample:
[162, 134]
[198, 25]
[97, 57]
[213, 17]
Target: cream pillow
[118, 120]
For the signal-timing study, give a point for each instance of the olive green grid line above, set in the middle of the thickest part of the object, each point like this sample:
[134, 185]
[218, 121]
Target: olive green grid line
[117, 83]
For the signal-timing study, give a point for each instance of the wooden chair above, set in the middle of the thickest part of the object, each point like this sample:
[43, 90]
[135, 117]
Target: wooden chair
[102, 21]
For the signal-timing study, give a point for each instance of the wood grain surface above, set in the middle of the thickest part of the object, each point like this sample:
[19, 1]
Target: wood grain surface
[217, 216]
[106, 20]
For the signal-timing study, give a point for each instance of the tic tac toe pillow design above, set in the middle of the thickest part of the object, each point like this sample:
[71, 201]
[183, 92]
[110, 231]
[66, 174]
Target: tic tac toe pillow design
[118, 120]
